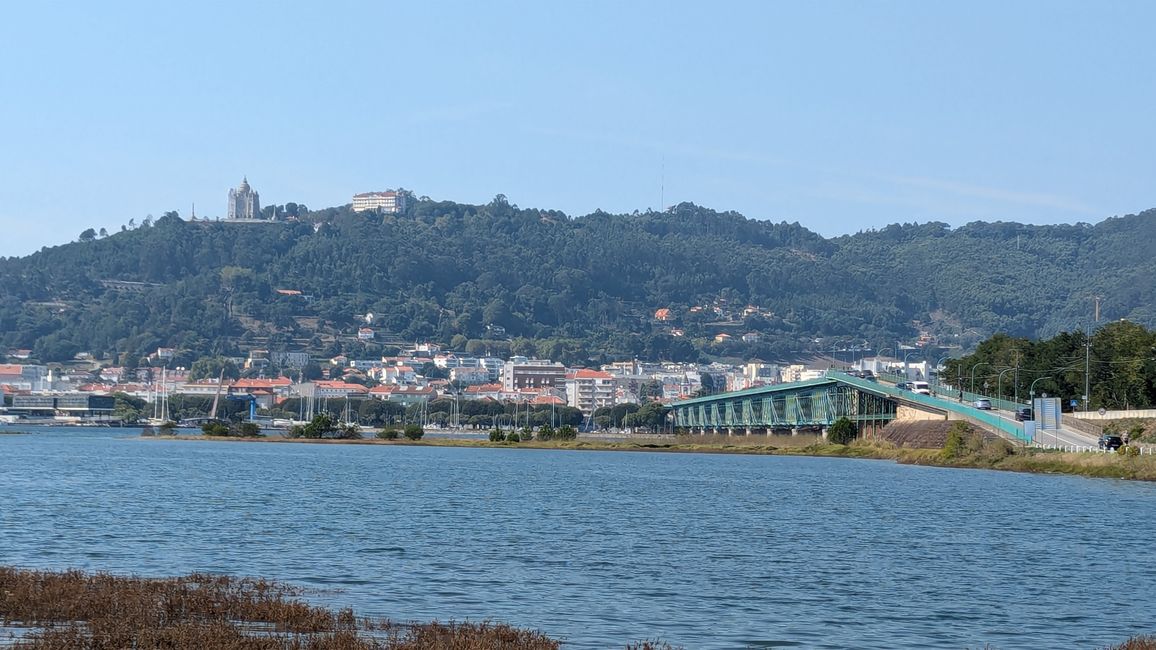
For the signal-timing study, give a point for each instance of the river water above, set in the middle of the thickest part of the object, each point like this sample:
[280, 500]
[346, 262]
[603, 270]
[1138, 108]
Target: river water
[603, 548]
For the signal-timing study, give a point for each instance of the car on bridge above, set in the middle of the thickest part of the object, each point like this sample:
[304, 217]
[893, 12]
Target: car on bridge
[1110, 442]
[903, 386]
[921, 387]
[1024, 413]
[982, 404]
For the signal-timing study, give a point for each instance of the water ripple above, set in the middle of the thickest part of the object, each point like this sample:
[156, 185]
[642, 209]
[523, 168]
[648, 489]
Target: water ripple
[704, 551]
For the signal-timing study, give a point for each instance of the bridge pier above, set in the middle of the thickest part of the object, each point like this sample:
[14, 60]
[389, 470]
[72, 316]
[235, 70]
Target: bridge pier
[749, 432]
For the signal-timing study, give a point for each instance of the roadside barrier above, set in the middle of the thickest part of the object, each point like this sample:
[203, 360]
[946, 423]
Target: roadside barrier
[1140, 451]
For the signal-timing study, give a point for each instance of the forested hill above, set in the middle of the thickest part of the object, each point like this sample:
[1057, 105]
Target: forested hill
[499, 278]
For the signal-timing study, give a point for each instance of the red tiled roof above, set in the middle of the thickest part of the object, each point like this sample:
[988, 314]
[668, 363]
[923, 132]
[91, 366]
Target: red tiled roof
[341, 385]
[484, 388]
[279, 382]
[586, 373]
[10, 369]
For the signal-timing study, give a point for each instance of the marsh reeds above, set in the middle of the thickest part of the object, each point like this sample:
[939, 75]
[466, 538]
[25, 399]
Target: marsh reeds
[97, 611]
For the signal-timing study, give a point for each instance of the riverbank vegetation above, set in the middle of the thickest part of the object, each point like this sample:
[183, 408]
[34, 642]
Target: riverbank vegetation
[1142, 430]
[71, 609]
[965, 448]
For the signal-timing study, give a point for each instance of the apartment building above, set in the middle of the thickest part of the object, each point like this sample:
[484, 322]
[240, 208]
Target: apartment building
[589, 390]
[519, 373]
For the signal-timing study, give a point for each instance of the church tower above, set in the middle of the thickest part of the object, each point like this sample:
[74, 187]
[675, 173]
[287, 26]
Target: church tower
[244, 203]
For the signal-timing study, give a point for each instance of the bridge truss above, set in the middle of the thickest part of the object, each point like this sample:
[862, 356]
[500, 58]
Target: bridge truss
[783, 408]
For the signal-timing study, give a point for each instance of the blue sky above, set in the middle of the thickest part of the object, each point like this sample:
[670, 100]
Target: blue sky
[840, 115]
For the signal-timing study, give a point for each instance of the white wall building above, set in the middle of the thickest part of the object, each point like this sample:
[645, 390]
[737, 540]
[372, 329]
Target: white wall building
[388, 202]
[589, 390]
[244, 202]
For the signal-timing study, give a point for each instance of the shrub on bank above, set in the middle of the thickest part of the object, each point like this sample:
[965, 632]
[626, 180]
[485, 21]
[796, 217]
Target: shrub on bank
[842, 432]
[215, 429]
[497, 435]
[414, 431]
[389, 433]
[226, 430]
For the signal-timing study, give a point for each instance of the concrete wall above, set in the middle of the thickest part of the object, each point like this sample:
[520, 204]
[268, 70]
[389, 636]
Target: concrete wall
[909, 414]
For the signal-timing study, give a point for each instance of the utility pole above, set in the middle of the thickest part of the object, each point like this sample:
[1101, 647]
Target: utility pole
[1087, 369]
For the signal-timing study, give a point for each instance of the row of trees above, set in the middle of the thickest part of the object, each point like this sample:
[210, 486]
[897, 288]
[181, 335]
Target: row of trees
[1115, 362]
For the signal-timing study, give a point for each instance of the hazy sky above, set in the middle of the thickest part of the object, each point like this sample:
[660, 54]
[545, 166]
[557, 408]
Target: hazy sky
[840, 115]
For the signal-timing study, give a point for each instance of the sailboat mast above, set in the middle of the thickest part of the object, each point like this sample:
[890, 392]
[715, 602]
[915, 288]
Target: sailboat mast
[217, 395]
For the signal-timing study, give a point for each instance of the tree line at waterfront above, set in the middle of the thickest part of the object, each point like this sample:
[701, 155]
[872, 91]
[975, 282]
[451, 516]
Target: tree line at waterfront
[1115, 363]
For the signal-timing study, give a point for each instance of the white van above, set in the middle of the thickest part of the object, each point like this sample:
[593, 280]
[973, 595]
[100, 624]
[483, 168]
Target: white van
[921, 387]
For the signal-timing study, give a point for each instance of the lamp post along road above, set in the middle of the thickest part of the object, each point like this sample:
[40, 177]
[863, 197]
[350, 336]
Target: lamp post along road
[905, 377]
[999, 384]
[981, 363]
[879, 357]
[1032, 393]
[1032, 397]
[938, 365]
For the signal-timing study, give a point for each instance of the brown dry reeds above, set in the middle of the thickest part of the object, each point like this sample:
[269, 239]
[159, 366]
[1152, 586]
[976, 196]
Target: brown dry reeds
[71, 609]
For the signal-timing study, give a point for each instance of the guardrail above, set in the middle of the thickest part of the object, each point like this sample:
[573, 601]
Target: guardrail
[964, 410]
[1142, 451]
[1083, 426]
[1116, 415]
[947, 391]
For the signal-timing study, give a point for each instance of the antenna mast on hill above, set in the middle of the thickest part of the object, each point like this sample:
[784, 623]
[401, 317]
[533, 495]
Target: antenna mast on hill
[662, 187]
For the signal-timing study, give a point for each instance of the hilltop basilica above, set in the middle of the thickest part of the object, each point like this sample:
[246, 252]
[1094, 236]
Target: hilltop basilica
[244, 202]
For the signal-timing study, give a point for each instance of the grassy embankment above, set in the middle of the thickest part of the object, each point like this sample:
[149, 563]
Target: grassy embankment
[1139, 429]
[71, 609]
[969, 452]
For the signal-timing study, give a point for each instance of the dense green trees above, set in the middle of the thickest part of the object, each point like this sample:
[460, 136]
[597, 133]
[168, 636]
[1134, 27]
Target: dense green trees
[1117, 363]
[842, 432]
[580, 290]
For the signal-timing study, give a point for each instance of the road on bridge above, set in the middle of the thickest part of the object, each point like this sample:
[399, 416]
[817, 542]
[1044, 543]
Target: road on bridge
[1062, 437]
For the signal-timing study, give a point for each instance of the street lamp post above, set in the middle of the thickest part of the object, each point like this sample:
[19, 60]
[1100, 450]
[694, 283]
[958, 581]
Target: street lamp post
[905, 363]
[999, 383]
[1032, 396]
[981, 363]
[1032, 391]
[938, 365]
[879, 356]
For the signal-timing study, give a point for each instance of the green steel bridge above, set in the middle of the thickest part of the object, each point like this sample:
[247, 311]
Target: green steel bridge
[817, 403]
